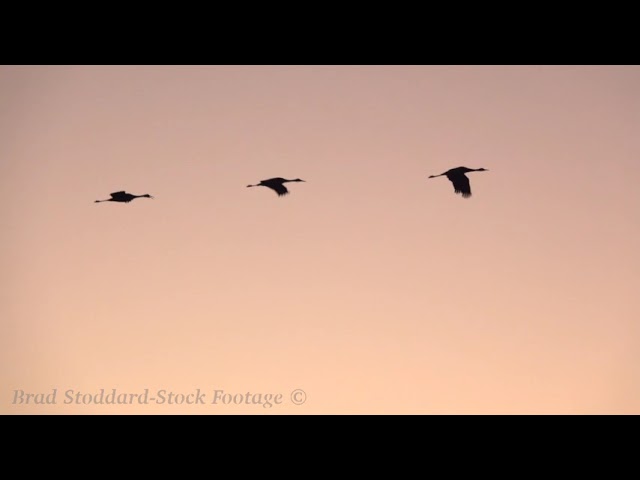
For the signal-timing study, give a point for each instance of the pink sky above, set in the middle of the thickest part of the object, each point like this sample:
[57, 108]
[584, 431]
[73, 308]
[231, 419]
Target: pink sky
[370, 287]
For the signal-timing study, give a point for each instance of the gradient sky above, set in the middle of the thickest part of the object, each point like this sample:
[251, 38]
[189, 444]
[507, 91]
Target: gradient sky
[370, 287]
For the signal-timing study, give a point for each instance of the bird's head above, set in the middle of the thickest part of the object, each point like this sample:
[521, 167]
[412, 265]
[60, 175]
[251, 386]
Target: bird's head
[297, 180]
[482, 170]
[146, 195]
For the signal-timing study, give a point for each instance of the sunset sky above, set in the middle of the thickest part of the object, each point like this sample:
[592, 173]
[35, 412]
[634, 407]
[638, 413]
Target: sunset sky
[370, 287]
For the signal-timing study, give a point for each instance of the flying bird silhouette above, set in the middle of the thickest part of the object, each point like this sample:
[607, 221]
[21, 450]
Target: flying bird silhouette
[123, 197]
[459, 179]
[276, 184]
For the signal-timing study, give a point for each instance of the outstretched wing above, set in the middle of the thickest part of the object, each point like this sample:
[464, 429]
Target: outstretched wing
[279, 188]
[461, 184]
[276, 184]
[122, 197]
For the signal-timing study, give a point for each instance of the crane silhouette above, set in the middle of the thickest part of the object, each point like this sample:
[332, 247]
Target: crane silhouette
[276, 184]
[123, 197]
[459, 179]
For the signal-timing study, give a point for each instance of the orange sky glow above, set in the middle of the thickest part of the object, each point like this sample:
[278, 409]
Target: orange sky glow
[370, 289]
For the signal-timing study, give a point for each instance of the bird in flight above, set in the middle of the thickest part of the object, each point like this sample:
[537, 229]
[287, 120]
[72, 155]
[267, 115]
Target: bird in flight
[459, 179]
[276, 184]
[123, 197]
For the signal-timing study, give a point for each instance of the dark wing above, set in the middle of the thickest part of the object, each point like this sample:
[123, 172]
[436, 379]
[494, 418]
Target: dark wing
[122, 197]
[279, 188]
[461, 184]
